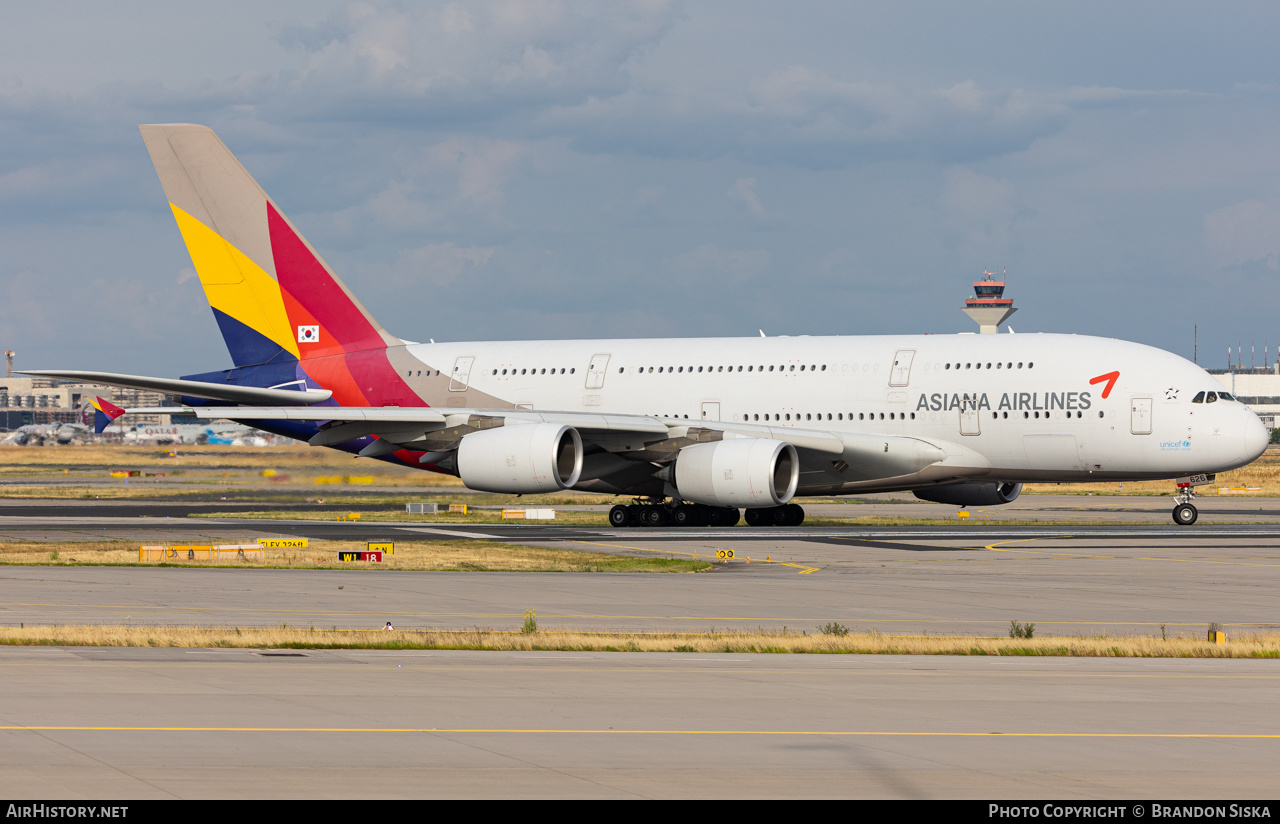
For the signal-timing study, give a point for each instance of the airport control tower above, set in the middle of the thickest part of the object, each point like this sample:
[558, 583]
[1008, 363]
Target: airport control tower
[988, 306]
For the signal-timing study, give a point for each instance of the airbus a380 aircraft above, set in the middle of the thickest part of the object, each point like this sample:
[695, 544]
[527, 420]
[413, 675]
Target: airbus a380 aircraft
[693, 429]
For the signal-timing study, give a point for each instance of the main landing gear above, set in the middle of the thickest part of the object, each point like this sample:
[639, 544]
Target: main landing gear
[787, 515]
[661, 513]
[1184, 512]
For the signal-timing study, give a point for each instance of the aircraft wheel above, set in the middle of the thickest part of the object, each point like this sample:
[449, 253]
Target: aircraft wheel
[619, 516]
[684, 515]
[729, 516]
[795, 513]
[756, 517]
[1185, 514]
[656, 516]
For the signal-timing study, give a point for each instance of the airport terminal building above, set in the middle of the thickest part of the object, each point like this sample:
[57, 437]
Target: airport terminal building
[1257, 387]
[29, 400]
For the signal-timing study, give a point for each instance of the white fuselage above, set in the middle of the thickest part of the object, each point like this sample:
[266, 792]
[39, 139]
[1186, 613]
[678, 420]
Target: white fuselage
[1032, 405]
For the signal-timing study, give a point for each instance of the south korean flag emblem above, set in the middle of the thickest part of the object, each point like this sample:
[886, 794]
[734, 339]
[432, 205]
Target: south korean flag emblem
[308, 334]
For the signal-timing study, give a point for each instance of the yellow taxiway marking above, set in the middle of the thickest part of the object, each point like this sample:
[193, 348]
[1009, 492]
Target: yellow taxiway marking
[993, 548]
[501, 731]
[804, 570]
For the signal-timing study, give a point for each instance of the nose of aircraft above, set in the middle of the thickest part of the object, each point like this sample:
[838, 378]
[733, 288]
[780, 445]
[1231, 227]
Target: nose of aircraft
[1254, 436]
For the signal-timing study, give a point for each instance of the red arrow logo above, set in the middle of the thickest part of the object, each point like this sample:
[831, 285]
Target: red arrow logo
[1110, 378]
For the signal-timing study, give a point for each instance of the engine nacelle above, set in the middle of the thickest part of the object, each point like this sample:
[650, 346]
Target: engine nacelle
[970, 494]
[750, 472]
[524, 458]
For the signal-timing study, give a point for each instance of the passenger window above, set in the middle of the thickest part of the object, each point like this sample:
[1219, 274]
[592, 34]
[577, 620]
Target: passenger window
[1199, 398]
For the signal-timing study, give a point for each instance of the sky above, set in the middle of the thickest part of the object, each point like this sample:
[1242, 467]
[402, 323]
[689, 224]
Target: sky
[544, 169]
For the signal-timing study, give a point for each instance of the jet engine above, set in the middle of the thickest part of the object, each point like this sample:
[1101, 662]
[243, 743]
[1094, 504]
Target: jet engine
[749, 472]
[970, 494]
[522, 458]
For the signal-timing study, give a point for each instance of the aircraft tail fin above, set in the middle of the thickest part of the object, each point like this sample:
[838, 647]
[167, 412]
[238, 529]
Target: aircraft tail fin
[104, 412]
[286, 318]
[273, 296]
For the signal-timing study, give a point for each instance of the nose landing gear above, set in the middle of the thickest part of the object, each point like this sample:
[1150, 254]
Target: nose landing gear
[1185, 512]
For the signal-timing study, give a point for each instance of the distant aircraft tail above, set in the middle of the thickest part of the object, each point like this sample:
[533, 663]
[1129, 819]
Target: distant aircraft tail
[285, 316]
[104, 412]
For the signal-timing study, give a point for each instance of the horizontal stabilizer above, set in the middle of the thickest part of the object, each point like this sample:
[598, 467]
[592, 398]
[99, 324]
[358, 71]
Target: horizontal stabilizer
[314, 413]
[193, 389]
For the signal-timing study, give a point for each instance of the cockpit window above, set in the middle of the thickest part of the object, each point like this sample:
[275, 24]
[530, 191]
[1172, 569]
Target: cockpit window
[1199, 398]
[1213, 398]
[1225, 396]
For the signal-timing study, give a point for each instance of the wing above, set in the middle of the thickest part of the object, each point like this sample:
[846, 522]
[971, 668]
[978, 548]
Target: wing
[623, 454]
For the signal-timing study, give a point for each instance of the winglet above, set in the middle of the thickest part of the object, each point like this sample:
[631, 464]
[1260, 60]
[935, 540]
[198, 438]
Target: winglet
[104, 413]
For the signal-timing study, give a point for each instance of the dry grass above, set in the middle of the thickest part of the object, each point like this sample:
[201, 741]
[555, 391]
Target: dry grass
[1242, 645]
[463, 556]
[285, 457]
[82, 472]
[1263, 473]
[206, 470]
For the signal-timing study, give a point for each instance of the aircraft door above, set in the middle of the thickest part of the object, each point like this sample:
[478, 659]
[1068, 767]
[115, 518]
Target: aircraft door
[461, 374]
[1140, 416]
[711, 410]
[900, 375]
[596, 371]
[969, 424]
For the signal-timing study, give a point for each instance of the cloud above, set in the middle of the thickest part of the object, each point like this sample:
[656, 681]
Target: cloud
[1080, 97]
[745, 191]
[1246, 231]
[981, 210]
[712, 266]
[480, 166]
[436, 264]
[802, 117]
[469, 61]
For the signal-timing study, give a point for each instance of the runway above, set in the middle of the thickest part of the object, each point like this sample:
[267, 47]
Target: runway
[147, 723]
[1088, 580]
[227, 723]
